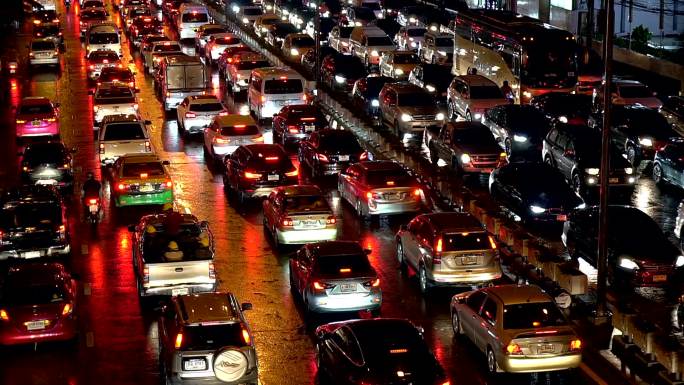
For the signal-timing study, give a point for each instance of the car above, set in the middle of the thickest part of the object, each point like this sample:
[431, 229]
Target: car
[141, 179]
[238, 69]
[142, 26]
[205, 337]
[448, 249]
[519, 129]
[638, 132]
[380, 187]
[100, 59]
[36, 116]
[437, 48]
[299, 214]
[338, 38]
[43, 51]
[89, 16]
[217, 43]
[627, 92]
[48, 163]
[335, 276]
[398, 64]
[340, 71]
[470, 96]
[466, 147]
[639, 252]
[120, 135]
[668, 163]
[204, 32]
[249, 14]
[564, 107]
[576, 152]
[534, 192]
[376, 350]
[296, 122]
[325, 26]
[366, 93]
[412, 15]
[387, 25]
[296, 45]
[435, 78]
[113, 99]
[49, 31]
[309, 58]
[228, 56]
[34, 224]
[357, 16]
[409, 110]
[157, 52]
[117, 75]
[226, 133]
[673, 110]
[147, 42]
[519, 328]
[330, 151]
[264, 22]
[43, 16]
[173, 254]
[410, 37]
[277, 32]
[196, 112]
[254, 170]
[37, 304]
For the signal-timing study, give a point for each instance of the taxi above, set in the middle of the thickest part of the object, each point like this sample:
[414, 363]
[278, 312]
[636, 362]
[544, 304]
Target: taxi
[141, 179]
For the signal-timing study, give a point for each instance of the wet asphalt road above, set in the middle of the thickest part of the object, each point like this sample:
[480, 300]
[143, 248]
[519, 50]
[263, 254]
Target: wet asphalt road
[118, 338]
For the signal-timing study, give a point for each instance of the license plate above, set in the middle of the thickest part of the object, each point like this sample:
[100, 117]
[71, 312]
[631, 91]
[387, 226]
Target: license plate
[613, 180]
[36, 123]
[469, 260]
[92, 209]
[659, 278]
[347, 287]
[146, 188]
[343, 158]
[182, 291]
[31, 254]
[562, 217]
[273, 177]
[546, 348]
[310, 223]
[35, 325]
[309, 128]
[195, 364]
[46, 181]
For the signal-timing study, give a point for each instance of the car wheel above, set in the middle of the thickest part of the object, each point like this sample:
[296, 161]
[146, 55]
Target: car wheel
[400, 256]
[423, 280]
[360, 211]
[274, 233]
[548, 160]
[492, 366]
[451, 110]
[577, 184]
[292, 281]
[508, 146]
[469, 117]
[658, 174]
[632, 156]
[456, 323]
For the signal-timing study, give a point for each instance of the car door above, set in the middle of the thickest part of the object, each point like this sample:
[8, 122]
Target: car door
[357, 187]
[566, 154]
[209, 134]
[469, 313]
[486, 328]
[346, 180]
[442, 146]
[410, 243]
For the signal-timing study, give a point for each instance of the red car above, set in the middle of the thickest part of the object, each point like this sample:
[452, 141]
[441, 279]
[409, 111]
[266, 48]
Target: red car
[37, 304]
[37, 116]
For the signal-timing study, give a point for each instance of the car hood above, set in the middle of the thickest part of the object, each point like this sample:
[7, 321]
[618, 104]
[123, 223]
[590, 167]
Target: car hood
[480, 105]
[422, 110]
[544, 197]
[480, 148]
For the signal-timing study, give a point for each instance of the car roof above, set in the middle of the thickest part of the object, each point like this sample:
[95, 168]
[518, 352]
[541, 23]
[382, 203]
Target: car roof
[38, 273]
[34, 100]
[198, 99]
[235, 119]
[405, 87]
[476, 80]
[335, 248]
[453, 222]
[207, 308]
[373, 31]
[31, 194]
[158, 218]
[380, 165]
[276, 71]
[300, 189]
[517, 294]
[140, 158]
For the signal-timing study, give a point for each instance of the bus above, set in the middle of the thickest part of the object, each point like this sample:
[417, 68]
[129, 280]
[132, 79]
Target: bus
[534, 57]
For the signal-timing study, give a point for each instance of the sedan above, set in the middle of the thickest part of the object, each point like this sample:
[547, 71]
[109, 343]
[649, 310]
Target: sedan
[43, 51]
[37, 304]
[227, 132]
[519, 328]
[564, 108]
[299, 214]
[466, 147]
[330, 151]
[117, 75]
[296, 45]
[296, 122]
[217, 43]
[340, 71]
[99, 60]
[47, 163]
[534, 192]
[141, 179]
[398, 64]
[195, 113]
[37, 116]
[519, 129]
[668, 163]
[376, 351]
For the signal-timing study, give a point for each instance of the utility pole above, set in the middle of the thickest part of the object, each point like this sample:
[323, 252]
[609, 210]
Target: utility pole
[317, 38]
[590, 22]
[602, 313]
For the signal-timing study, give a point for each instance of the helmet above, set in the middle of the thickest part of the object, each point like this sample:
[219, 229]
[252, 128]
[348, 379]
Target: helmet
[173, 246]
[150, 229]
[167, 207]
[90, 175]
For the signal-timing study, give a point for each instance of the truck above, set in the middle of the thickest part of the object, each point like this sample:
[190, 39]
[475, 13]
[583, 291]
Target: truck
[178, 77]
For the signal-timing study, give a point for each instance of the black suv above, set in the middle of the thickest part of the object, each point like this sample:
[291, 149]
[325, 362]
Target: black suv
[48, 163]
[33, 224]
[205, 338]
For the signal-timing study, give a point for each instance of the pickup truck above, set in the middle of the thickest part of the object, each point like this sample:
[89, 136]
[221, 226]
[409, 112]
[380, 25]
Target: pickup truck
[173, 264]
[157, 53]
[112, 99]
[122, 134]
[466, 147]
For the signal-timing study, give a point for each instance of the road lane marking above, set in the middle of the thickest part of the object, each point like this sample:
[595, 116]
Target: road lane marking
[598, 380]
[86, 288]
[90, 339]
[84, 249]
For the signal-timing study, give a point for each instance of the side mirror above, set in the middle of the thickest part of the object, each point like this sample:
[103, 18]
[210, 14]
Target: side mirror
[204, 224]
[147, 122]
[246, 306]
[569, 153]
[367, 251]
[166, 162]
[131, 228]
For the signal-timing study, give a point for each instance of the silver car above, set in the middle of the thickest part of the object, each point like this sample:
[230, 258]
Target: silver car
[380, 187]
[409, 109]
[519, 328]
[448, 249]
[43, 51]
[335, 276]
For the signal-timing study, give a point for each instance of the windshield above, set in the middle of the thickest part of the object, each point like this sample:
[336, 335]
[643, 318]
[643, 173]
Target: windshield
[416, 32]
[22, 293]
[36, 109]
[195, 17]
[167, 47]
[42, 155]
[101, 56]
[283, 86]
[40, 215]
[43, 46]
[252, 12]
[133, 170]
[392, 346]
[532, 315]
[487, 92]
[303, 42]
[379, 41]
[635, 92]
[103, 38]
[306, 203]
[331, 265]
[444, 42]
[383, 178]
[363, 14]
[417, 99]
[339, 142]
[410, 58]
[124, 131]
[206, 107]
[372, 6]
[466, 241]
[47, 30]
[93, 15]
[239, 130]
[479, 136]
[211, 337]
[250, 65]
[550, 64]
[345, 32]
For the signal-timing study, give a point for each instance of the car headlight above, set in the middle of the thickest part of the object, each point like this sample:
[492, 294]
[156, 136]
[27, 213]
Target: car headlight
[375, 103]
[592, 171]
[358, 24]
[680, 261]
[235, 9]
[399, 71]
[340, 79]
[527, 94]
[405, 117]
[245, 20]
[537, 209]
[563, 119]
[443, 53]
[646, 142]
[414, 44]
[430, 88]
[439, 116]
[294, 52]
[520, 138]
[629, 170]
[628, 264]
[465, 158]
[375, 53]
[581, 206]
[477, 116]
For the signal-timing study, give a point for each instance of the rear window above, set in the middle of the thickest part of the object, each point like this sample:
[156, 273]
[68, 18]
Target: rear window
[206, 107]
[240, 129]
[210, 337]
[39, 109]
[388, 177]
[250, 65]
[133, 170]
[532, 315]
[213, 30]
[101, 56]
[195, 17]
[19, 293]
[171, 47]
[39, 215]
[93, 15]
[114, 76]
[227, 40]
[283, 86]
[307, 203]
[465, 241]
[42, 155]
[379, 41]
[43, 46]
[48, 30]
[120, 92]
[103, 38]
[331, 265]
[345, 143]
[124, 131]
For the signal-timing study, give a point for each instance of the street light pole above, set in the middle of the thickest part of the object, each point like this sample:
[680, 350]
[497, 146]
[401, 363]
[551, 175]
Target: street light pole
[601, 310]
[317, 38]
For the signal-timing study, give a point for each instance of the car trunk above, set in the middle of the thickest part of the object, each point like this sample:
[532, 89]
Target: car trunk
[179, 273]
[35, 318]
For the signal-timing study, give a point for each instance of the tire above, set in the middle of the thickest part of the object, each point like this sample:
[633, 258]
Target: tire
[492, 366]
[632, 156]
[577, 184]
[456, 324]
[401, 257]
[468, 117]
[451, 110]
[658, 174]
[423, 283]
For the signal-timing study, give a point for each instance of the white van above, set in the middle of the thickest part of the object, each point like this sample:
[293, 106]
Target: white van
[271, 88]
[190, 17]
[103, 36]
[369, 42]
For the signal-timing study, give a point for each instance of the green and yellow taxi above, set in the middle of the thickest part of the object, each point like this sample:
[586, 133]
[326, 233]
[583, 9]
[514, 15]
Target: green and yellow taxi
[141, 179]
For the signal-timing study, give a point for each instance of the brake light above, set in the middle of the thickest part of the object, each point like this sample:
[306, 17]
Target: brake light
[417, 192]
[575, 345]
[91, 67]
[318, 286]
[492, 243]
[322, 158]
[143, 175]
[307, 119]
[67, 309]
[105, 61]
[252, 175]
[283, 78]
[92, 201]
[21, 121]
[304, 97]
[169, 184]
[288, 222]
[513, 349]
[272, 158]
[259, 138]
[102, 148]
[369, 195]
[293, 129]
[179, 340]
[121, 187]
[218, 140]
[246, 337]
[331, 220]
[131, 84]
[440, 245]
[295, 172]
[376, 282]
[146, 275]
[364, 155]
[135, 106]
[212, 270]
[147, 144]
[263, 99]
[3, 315]
[190, 115]
[223, 113]
[345, 270]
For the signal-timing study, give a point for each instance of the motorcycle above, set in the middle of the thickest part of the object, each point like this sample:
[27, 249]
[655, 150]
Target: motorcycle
[93, 214]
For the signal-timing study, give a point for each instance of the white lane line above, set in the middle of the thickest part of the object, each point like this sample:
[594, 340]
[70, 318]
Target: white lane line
[90, 339]
[598, 380]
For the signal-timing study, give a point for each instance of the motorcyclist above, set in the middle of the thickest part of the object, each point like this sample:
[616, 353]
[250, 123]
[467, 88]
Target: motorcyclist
[92, 188]
[507, 91]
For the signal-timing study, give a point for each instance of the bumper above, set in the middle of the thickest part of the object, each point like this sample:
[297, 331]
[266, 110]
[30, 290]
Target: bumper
[296, 138]
[293, 237]
[196, 124]
[64, 331]
[345, 302]
[223, 150]
[145, 199]
[469, 277]
[418, 126]
[376, 208]
[28, 130]
[44, 61]
[168, 290]
[51, 251]
[528, 365]
[172, 101]
[178, 380]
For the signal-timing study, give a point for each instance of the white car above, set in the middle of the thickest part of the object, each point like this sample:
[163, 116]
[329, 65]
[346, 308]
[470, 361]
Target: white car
[249, 13]
[43, 52]
[226, 133]
[239, 69]
[470, 96]
[410, 37]
[113, 99]
[217, 43]
[195, 113]
[120, 135]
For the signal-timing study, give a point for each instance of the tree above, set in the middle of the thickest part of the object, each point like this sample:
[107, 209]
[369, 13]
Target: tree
[640, 38]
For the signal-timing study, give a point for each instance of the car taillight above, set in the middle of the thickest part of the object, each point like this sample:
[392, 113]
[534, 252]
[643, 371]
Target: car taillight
[168, 184]
[190, 115]
[218, 140]
[146, 275]
[131, 84]
[287, 222]
[102, 148]
[179, 340]
[56, 53]
[3, 315]
[252, 175]
[259, 138]
[331, 220]
[246, 337]
[92, 201]
[263, 99]
[322, 158]
[292, 173]
[364, 156]
[135, 106]
[372, 283]
[417, 192]
[223, 113]
[439, 247]
[513, 349]
[92, 67]
[492, 243]
[21, 121]
[293, 129]
[67, 309]
[304, 97]
[147, 144]
[121, 186]
[318, 285]
[212, 270]
[575, 345]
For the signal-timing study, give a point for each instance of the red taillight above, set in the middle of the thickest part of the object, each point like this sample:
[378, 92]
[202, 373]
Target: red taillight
[212, 271]
[92, 201]
[575, 345]
[121, 187]
[169, 184]
[246, 337]
[223, 113]
[190, 115]
[318, 286]
[263, 99]
[492, 243]
[67, 309]
[252, 175]
[91, 67]
[364, 155]
[331, 220]
[3, 315]
[513, 349]
[304, 98]
[295, 172]
[131, 84]
[417, 192]
[376, 282]
[307, 119]
[293, 129]
[439, 247]
[179, 340]
[288, 222]
[322, 158]
[369, 195]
